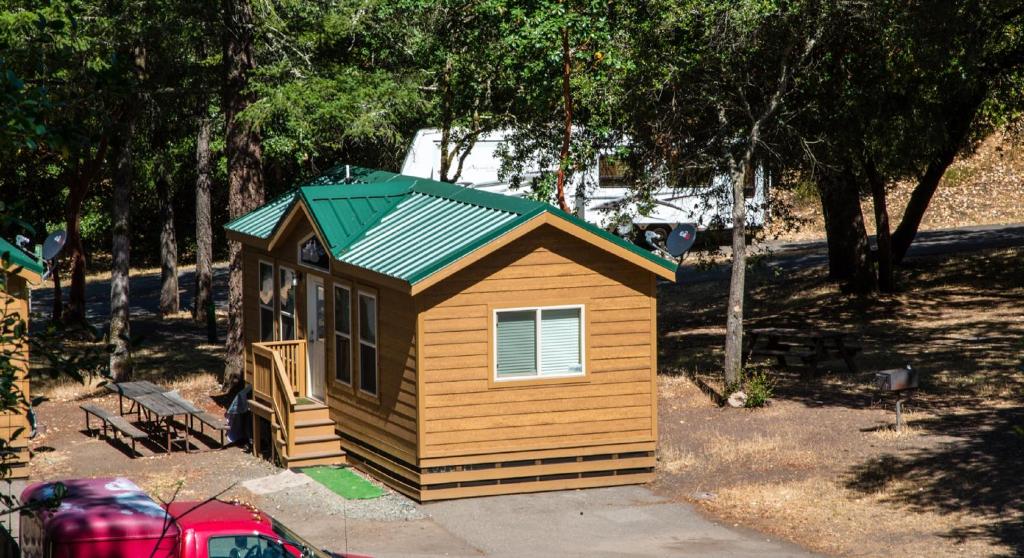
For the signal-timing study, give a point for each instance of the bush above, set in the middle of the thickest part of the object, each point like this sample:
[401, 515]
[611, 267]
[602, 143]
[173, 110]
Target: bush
[759, 388]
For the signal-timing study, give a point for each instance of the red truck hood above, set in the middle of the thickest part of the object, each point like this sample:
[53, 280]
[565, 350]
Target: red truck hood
[101, 509]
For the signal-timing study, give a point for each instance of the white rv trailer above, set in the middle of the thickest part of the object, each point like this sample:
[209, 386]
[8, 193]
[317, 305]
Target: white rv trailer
[607, 194]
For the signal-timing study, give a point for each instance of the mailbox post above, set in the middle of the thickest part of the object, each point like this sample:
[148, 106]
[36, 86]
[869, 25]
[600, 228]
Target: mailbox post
[899, 381]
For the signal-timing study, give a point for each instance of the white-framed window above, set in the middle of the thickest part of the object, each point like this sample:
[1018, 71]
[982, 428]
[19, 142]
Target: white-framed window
[343, 334]
[266, 301]
[539, 342]
[286, 287]
[311, 253]
[368, 359]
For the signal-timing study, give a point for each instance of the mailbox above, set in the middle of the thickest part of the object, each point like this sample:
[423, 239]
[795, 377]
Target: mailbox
[899, 379]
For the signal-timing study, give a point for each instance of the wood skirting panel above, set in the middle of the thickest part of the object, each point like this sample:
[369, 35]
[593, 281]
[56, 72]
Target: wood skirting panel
[487, 474]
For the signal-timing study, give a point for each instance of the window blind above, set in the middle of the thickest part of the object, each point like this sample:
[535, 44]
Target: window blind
[560, 341]
[516, 341]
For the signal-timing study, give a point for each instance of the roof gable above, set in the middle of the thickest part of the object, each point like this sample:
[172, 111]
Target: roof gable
[413, 229]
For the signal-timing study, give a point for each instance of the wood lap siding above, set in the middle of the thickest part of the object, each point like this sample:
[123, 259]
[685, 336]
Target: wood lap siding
[465, 414]
[14, 426]
[390, 424]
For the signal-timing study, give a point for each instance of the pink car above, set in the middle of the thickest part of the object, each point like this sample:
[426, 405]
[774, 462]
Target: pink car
[114, 518]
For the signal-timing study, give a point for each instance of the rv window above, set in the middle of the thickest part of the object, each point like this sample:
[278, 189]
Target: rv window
[368, 343]
[342, 334]
[266, 301]
[287, 297]
[538, 342]
[612, 172]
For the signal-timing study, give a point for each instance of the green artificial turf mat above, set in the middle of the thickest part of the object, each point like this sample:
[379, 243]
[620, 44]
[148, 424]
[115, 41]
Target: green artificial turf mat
[344, 483]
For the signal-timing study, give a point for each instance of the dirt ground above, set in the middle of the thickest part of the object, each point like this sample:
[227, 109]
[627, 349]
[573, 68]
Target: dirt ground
[983, 188]
[822, 466]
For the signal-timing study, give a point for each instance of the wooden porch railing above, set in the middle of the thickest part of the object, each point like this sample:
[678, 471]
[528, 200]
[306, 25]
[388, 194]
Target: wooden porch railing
[293, 357]
[279, 371]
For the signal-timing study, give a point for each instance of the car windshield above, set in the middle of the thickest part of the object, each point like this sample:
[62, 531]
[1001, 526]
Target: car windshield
[290, 536]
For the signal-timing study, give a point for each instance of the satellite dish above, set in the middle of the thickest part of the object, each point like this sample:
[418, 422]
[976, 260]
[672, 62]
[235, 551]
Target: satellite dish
[681, 239]
[54, 244]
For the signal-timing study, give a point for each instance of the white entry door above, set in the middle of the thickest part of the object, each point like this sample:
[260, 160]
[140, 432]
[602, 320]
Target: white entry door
[315, 334]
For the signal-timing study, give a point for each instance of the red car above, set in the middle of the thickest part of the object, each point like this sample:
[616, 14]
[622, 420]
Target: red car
[114, 518]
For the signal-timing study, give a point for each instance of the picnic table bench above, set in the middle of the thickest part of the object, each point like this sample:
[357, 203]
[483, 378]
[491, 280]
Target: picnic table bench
[204, 418]
[810, 347]
[167, 411]
[117, 423]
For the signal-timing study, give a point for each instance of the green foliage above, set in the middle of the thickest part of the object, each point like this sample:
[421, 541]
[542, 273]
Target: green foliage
[759, 387]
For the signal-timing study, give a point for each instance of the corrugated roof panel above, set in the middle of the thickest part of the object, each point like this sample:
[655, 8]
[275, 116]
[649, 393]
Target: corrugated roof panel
[261, 222]
[421, 231]
[406, 227]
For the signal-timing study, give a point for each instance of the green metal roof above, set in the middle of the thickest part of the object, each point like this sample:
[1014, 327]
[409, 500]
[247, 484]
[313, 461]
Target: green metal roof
[406, 227]
[16, 257]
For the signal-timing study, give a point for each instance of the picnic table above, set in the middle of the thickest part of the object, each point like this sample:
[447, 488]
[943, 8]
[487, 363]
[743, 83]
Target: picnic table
[131, 390]
[808, 346]
[165, 409]
[159, 405]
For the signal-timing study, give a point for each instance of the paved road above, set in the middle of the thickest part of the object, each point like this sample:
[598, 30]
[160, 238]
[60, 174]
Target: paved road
[800, 255]
[144, 294]
[627, 521]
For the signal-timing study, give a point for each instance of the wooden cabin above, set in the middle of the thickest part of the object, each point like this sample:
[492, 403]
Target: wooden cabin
[20, 270]
[450, 341]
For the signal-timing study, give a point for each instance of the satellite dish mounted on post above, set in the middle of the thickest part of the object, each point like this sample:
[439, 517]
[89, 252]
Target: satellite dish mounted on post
[52, 248]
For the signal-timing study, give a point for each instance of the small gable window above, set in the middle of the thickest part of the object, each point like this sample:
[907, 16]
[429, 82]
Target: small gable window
[313, 254]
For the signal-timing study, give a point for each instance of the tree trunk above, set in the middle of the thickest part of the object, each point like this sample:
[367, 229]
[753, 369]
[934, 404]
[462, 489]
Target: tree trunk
[737, 283]
[958, 129]
[169, 298]
[78, 188]
[563, 159]
[848, 260]
[120, 325]
[244, 154]
[58, 296]
[883, 237]
[447, 122]
[75, 251]
[203, 298]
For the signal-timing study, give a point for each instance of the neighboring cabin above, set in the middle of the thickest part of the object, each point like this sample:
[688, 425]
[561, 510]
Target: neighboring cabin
[19, 269]
[452, 342]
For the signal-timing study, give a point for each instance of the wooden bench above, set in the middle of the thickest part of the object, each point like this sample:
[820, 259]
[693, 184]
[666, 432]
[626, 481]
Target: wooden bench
[118, 424]
[218, 424]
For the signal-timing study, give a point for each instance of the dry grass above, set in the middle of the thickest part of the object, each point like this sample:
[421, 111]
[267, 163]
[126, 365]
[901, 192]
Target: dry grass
[981, 189]
[829, 518]
[674, 460]
[65, 389]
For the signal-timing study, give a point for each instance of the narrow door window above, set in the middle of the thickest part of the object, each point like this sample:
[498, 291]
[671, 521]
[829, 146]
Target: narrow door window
[266, 302]
[287, 288]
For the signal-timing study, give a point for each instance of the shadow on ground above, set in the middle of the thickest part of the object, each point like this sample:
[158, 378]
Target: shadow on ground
[980, 472]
